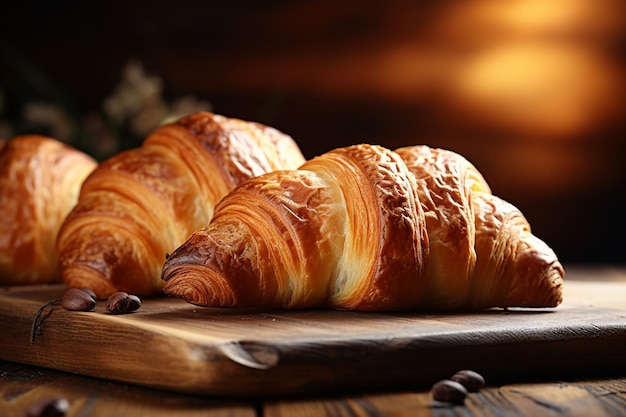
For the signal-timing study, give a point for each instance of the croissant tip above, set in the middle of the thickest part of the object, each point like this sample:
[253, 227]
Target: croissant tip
[552, 294]
[183, 288]
[198, 285]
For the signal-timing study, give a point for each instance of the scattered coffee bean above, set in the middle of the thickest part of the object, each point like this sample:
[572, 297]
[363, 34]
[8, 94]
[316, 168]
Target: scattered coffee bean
[471, 380]
[76, 299]
[90, 292]
[48, 407]
[449, 391]
[122, 303]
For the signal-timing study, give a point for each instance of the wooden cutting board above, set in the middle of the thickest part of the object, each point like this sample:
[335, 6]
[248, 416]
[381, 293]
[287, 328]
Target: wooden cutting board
[173, 345]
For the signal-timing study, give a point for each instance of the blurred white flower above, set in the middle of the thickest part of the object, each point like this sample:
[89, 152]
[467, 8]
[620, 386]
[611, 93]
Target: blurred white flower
[185, 106]
[52, 117]
[134, 109]
[138, 100]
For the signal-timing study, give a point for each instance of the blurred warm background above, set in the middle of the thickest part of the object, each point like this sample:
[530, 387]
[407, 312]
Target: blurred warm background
[533, 92]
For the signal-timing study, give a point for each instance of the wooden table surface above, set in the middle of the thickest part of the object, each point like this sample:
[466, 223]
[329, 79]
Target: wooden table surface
[586, 394]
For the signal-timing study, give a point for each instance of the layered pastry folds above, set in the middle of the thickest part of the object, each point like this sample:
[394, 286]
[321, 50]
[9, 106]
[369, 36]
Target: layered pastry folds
[367, 228]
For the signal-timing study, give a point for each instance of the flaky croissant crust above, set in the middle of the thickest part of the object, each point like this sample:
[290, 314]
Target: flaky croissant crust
[142, 203]
[40, 179]
[366, 228]
[340, 203]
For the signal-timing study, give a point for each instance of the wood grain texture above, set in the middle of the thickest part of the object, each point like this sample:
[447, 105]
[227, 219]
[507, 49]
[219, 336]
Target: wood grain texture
[597, 398]
[21, 386]
[172, 345]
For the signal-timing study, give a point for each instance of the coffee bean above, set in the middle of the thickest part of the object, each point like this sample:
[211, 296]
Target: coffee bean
[48, 407]
[471, 380]
[90, 292]
[76, 299]
[122, 303]
[449, 391]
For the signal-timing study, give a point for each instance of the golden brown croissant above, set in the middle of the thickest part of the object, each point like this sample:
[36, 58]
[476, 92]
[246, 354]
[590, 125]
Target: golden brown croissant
[482, 252]
[446, 183]
[40, 178]
[355, 228]
[142, 203]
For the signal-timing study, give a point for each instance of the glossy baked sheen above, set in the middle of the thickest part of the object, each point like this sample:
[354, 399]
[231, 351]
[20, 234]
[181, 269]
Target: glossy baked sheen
[446, 183]
[482, 252]
[40, 179]
[142, 203]
[360, 228]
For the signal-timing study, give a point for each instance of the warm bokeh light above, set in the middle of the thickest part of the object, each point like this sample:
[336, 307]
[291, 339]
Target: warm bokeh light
[551, 18]
[542, 89]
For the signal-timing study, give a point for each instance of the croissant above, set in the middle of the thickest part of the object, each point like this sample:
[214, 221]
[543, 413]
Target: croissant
[366, 228]
[482, 252]
[40, 178]
[144, 202]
